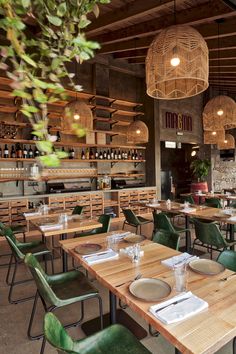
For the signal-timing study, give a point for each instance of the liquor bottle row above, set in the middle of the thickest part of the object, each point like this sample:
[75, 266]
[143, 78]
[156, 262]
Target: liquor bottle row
[19, 152]
[110, 154]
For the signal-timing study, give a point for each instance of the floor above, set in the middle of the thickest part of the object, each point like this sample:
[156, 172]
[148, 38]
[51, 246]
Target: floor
[14, 318]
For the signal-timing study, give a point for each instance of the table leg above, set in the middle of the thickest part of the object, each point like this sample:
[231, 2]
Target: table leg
[188, 235]
[231, 234]
[112, 301]
[177, 351]
[64, 256]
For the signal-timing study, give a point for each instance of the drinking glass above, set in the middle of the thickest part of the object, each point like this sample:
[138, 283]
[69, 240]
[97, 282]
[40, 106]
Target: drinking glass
[63, 219]
[180, 274]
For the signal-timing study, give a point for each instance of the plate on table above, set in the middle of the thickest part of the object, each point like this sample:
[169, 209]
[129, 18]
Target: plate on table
[149, 289]
[133, 238]
[206, 266]
[88, 248]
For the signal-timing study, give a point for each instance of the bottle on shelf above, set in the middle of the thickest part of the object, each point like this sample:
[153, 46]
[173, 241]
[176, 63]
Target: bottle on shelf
[122, 155]
[100, 155]
[115, 155]
[112, 154]
[13, 152]
[71, 154]
[58, 136]
[87, 154]
[132, 155]
[91, 155]
[30, 153]
[6, 152]
[36, 152]
[125, 155]
[33, 137]
[129, 155]
[19, 152]
[104, 155]
[82, 155]
[96, 154]
[119, 155]
[140, 155]
[135, 155]
[108, 155]
[25, 152]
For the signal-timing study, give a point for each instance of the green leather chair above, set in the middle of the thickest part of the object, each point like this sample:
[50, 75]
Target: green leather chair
[105, 220]
[134, 220]
[228, 259]
[187, 198]
[167, 238]
[213, 203]
[19, 250]
[162, 222]
[78, 209]
[115, 339]
[208, 235]
[59, 290]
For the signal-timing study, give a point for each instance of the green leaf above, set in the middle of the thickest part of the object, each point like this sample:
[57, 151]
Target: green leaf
[62, 154]
[31, 109]
[54, 20]
[39, 96]
[96, 10]
[22, 94]
[25, 3]
[26, 113]
[29, 60]
[61, 10]
[45, 146]
[84, 22]
[50, 160]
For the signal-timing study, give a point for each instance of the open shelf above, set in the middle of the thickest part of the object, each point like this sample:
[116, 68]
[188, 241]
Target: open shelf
[10, 159]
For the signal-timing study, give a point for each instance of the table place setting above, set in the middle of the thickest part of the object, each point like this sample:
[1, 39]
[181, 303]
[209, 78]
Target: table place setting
[181, 258]
[100, 257]
[153, 203]
[35, 213]
[49, 227]
[178, 308]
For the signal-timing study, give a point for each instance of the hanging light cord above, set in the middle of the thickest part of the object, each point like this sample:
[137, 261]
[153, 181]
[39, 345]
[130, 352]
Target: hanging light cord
[218, 54]
[175, 12]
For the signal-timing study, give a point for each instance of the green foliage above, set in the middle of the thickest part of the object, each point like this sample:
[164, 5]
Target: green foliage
[200, 168]
[43, 37]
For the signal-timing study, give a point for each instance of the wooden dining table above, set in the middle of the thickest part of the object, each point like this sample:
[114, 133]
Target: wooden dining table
[203, 333]
[76, 224]
[225, 197]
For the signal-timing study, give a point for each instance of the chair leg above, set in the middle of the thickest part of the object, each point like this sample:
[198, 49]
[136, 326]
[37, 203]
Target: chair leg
[234, 345]
[9, 271]
[123, 225]
[30, 336]
[13, 283]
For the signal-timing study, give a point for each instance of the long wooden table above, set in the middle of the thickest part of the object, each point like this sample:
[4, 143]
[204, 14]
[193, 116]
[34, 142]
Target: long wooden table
[227, 197]
[205, 332]
[73, 225]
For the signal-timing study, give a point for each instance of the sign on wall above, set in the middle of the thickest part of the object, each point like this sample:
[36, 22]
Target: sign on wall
[178, 121]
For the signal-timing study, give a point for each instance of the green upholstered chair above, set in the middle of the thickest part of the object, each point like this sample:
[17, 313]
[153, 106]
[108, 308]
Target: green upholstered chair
[105, 220]
[134, 220]
[213, 203]
[78, 209]
[19, 249]
[187, 198]
[162, 222]
[167, 238]
[115, 339]
[208, 235]
[228, 259]
[59, 290]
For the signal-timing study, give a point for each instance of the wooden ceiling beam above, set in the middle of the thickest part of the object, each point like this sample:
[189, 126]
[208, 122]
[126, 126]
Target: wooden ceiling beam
[126, 13]
[207, 12]
[224, 43]
[223, 54]
[210, 30]
[131, 54]
[222, 70]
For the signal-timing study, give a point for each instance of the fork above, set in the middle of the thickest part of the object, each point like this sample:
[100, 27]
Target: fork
[130, 281]
[230, 276]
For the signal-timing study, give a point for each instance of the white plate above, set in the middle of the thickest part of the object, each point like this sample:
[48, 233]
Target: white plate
[206, 267]
[150, 289]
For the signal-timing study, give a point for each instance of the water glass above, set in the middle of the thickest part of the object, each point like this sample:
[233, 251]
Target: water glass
[136, 253]
[112, 242]
[180, 276]
[186, 205]
[63, 219]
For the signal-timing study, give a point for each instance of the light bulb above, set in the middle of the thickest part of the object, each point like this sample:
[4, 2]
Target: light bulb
[193, 153]
[138, 131]
[76, 116]
[220, 112]
[175, 61]
[225, 141]
[213, 133]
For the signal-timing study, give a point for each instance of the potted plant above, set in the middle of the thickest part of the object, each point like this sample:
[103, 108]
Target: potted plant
[200, 169]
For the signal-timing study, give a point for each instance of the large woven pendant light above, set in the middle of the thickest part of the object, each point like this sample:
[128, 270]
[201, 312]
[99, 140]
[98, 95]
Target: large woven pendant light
[76, 112]
[177, 64]
[214, 137]
[227, 143]
[137, 132]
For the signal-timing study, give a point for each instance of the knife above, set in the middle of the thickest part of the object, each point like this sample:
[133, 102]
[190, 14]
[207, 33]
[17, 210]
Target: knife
[173, 303]
[96, 254]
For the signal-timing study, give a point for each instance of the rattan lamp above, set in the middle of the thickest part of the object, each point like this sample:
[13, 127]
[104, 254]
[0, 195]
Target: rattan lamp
[76, 112]
[137, 132]
[214, 137]
[219, 113]
[227, 143]
[177, 64]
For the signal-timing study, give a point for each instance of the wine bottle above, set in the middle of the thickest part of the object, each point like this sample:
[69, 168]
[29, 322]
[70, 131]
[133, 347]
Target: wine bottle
[100, 155]
[122, 155]
[104, 155]
[82, 155]
[108, 155]
[112, 155]
[87, 154]
[140, 155]
[36, 152]
[71, 154]
[119, 155]
[91, 155]
[126, 155]
[19, 152]
[13, 152]
[58, 136]
[25, 153]
[30, 153]
[6, 152]
[136, 155]
[115, 155]
[132, 155]
[96, 154]
[129, 155]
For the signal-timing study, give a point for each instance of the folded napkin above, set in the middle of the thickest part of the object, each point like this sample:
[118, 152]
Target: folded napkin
[181, 258]
[153, 205]
[35, 213]
[187, 305]
[232, 218]
[100, 257]
[51, 227]
[188, 210]
[120, 236]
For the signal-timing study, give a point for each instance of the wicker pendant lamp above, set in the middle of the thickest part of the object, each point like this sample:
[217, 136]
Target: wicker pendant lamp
[76, 112]
[177, 64]
[137, 132]
[214, 137]
[227, 143]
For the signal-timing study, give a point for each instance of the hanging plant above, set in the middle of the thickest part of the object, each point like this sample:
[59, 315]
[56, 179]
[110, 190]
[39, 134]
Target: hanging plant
[43, 36]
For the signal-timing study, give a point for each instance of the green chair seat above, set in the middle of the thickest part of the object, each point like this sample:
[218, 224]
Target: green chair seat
[134, 220]
[59, 290]
[228, 259]
[115, 339]
[167, 238]
[78, 209]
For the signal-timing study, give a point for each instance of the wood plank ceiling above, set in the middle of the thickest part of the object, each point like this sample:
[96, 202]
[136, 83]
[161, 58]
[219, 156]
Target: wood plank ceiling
[126, 28]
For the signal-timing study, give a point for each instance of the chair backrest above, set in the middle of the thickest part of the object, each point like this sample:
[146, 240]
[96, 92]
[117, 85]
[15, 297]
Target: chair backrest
[209, 233]
[167, 238]
[162, 222]
[213, 202]
[105, 220]
[14, 248]
[188, 198]
[78, 209]
[41, 280]
[228, 259]
[6, 230]
[130, 217]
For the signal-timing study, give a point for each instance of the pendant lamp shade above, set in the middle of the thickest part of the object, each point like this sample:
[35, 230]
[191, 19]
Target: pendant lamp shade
[137, 132]
[219, 113]
[76, 112]
[177, 64]
[227, 143]
[214, 137]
